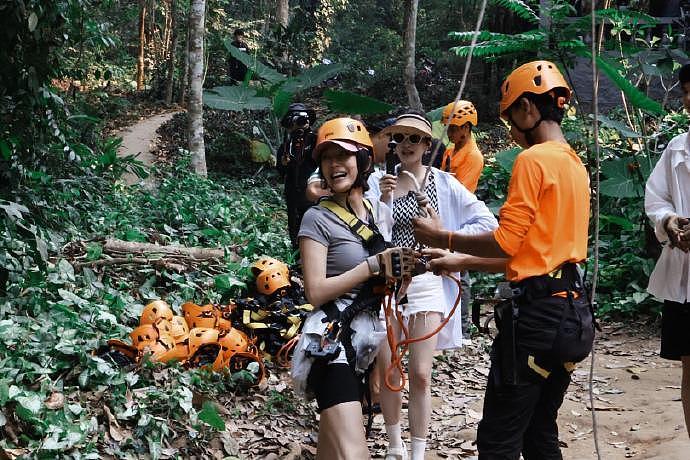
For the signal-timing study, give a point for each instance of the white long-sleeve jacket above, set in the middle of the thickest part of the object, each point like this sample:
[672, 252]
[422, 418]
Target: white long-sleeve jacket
[668, 192]
[460, 211]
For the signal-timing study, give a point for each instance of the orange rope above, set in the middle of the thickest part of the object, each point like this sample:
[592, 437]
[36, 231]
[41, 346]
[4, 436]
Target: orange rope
[398, 349]
[282, 358]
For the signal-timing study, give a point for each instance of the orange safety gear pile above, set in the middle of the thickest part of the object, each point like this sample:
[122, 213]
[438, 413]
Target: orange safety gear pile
[203, 336]
[222, 336]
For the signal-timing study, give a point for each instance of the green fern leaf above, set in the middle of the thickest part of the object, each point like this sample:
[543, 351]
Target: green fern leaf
[483, 35]
[520, 8]
[501, 45]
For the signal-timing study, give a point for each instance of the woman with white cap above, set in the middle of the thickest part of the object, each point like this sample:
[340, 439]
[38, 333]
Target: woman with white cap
[429, 297]
[343, 248]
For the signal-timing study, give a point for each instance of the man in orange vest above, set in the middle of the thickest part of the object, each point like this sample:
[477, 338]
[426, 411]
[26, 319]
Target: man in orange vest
[464, 159]
[547, 325]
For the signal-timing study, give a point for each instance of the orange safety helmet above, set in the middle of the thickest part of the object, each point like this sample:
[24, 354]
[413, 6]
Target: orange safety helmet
[199, 316]
[346, 132]
[179, 329]
[144, 336]
[538, 77]
[265, 263]
[155, 310]
[272, 281]
[180, 352]
[234, 341]
[200, 336]
[464, 113]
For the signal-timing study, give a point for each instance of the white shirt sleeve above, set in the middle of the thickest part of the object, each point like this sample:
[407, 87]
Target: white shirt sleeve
[658, 203]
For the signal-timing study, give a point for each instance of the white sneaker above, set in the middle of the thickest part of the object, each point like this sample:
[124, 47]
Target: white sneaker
[396, 453]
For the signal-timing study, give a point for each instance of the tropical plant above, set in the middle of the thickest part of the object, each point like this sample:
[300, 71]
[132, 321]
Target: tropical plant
[562, 41]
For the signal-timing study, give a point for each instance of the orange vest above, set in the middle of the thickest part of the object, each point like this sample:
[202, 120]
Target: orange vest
[466, 163]
[545, 219]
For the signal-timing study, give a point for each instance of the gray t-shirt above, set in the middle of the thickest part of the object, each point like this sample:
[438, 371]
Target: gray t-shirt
[345, 250]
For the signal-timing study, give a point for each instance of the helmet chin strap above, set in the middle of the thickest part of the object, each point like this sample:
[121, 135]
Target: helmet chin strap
[528, 131]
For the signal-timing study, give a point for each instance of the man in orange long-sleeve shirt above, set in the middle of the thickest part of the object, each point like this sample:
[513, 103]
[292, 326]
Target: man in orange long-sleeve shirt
[542, 235]
[464, 159]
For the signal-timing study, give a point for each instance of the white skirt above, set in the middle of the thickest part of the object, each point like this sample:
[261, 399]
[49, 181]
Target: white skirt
[425, 293]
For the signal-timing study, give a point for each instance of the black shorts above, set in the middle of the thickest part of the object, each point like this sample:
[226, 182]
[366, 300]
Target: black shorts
[333, 384]
[675, 330]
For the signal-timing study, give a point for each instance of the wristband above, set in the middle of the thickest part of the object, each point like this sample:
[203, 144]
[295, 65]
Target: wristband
[450, 241]
[374, 266]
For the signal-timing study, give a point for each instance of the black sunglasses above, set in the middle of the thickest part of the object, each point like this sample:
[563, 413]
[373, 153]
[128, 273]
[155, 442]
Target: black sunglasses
[399, 138]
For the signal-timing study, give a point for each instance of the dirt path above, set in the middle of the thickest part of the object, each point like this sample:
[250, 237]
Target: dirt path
[138, 139]
[637, 401]
[637, 397]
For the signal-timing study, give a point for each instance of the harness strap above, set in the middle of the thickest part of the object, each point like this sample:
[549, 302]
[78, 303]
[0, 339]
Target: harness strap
[357, 227]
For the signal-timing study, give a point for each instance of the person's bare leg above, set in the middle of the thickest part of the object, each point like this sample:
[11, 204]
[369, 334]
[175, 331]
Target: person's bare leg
[391, 401]
[341, 433]
[685, 391]
[420, 365]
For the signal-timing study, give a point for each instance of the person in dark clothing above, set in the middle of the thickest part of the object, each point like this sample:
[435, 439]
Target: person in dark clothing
[295, 164]
[237, 70]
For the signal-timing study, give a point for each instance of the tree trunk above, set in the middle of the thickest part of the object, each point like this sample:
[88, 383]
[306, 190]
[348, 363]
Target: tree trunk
[545, 18]
[195, 105]
[410, 70]
[171, 54]
[282, 13]
[142, 45]
[184, 81]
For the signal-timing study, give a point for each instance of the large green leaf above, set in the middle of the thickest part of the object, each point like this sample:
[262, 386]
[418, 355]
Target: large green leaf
[435, 114]
[209, 414]
[623, 178]
[636, 97]
[506, 158]
[311, 77]
[235, 98]
[260, 70]
[621, 127]
[347, 102]
[281, 102]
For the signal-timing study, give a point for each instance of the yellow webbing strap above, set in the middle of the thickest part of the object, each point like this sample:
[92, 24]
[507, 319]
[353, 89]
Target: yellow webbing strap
[537, 368]
[356, 225]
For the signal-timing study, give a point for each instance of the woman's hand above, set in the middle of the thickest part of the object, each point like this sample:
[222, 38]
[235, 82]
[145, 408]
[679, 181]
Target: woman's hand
[429, 230]
[387, 186]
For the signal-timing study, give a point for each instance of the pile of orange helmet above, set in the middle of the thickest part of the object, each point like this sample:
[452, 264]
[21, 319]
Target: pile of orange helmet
[203, 336]
[275, 316]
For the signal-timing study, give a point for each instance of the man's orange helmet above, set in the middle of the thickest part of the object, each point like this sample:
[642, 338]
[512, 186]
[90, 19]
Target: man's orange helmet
[538, 77]
[464, 113]
[155, 310]
[348, 133]
[199, 316]
[265, 263]
[272, 281]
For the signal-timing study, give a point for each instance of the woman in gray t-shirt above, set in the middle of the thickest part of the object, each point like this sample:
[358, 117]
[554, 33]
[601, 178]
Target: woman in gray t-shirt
[336, 265]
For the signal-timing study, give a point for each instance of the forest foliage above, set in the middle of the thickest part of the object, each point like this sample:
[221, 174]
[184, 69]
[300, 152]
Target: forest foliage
[71, 75]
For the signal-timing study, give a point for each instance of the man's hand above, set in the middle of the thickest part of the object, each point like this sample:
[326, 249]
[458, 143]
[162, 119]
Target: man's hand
[443, 262]
[678, 232]
[429, 230]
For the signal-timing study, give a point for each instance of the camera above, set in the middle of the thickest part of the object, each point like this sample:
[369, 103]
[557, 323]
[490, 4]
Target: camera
[298, 120]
